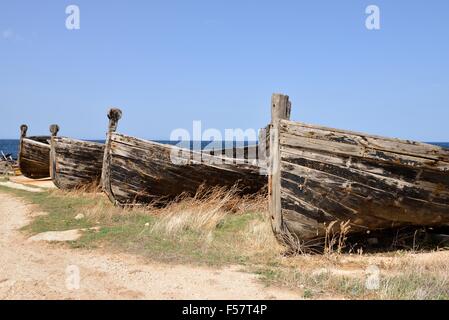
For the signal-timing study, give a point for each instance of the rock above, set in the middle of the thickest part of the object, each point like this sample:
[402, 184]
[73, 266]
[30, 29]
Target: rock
[69, 235]
[147, 224]
[13, 185]
[79, 216]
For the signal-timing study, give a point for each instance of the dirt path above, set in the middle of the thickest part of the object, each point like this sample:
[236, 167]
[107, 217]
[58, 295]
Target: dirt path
[30, 270]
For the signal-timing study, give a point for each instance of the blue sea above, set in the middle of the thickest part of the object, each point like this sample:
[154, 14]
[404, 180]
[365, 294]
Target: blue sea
[11, 147]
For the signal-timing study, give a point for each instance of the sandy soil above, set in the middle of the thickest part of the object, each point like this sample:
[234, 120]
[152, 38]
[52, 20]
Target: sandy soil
[45, 183]
[37, 270]
[19, 186]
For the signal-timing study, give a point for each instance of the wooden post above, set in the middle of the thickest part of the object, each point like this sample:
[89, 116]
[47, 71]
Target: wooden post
[23, 130]
[54, 129]
[114, 116]
[280, 109]
[23, 134]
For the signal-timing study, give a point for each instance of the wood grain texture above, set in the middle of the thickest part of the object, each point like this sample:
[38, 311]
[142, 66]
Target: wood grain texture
[374, 182]
[34, 155]
[76, 163]
[280, 110]
[142, 171]
[114, 115]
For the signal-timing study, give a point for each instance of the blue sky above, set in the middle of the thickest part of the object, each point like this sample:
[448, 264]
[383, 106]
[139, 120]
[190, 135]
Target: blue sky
[167, 63]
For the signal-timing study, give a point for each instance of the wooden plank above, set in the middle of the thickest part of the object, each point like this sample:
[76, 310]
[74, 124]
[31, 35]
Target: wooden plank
[141, 171]
[34, 155]
[280, 109]
[296, 142]
[375, 183]
[374, 207]
[392, 182]
[54, 129]
[144, 170]
[114, 116]
[150, 151]
[77, 163]
[366, 141]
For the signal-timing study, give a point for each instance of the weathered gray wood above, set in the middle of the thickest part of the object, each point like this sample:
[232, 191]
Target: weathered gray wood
[363, 140]
[34, 155]
[247, 152]
[374, 182]
[114, 115]
[280, 109]
[76, 163]
[369, 207]
[419, 183]
[54, 129]
[403, 152]
[23, 134]
[141, 171]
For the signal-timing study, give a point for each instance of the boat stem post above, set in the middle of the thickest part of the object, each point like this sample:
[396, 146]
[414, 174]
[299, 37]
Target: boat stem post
[114, 116]
[23, 134]
[23, 130]
[280, 110]
[54, 129]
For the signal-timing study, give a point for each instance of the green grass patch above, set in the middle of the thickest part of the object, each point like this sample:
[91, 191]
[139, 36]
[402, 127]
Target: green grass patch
[133, 232]
[61, 211]
[234, 239]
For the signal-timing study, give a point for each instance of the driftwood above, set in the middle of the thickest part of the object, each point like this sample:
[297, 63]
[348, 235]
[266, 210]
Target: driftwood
[320, 175]
[34, 155]
[140, 171]
[74, 163]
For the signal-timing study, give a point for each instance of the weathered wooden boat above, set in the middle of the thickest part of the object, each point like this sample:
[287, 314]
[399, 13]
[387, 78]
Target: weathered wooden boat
[141, 171]
[319, 175]
[75, 163]
[34, 155]
[250, 152]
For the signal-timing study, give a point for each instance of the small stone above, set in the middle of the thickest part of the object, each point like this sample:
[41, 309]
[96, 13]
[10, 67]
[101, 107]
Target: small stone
[147, 224]
[79, 216]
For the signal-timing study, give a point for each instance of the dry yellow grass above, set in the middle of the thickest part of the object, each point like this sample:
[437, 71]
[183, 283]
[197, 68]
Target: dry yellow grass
[217, 226]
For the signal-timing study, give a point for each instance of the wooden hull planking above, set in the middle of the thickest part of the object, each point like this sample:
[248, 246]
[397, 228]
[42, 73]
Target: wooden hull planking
[76, 163]
[142, 171]
[34, 157]
[375, 183]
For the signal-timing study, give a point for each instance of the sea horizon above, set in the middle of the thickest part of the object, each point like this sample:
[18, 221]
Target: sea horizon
[11, 146]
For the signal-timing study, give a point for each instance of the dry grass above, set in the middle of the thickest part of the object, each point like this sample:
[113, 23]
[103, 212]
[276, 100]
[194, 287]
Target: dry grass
[336, 236]
[201, 213]
[205, 211]
[218, 227]
[330, 274]
[212, 221]
[92, 190]
[398, 275]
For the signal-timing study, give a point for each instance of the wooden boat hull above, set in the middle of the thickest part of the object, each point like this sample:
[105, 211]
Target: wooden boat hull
[34, 157]
[375, 183]
[75, 163]
[139, 171]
